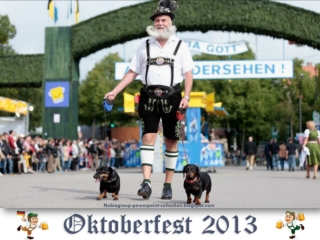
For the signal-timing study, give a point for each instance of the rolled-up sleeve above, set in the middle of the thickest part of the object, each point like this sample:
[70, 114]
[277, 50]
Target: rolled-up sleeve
[187, 61]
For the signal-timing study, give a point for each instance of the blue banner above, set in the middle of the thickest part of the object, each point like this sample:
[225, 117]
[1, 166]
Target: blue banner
[132, 155]
[211, 155]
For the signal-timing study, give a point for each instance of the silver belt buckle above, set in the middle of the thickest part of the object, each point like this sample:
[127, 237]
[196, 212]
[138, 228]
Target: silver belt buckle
[159, 60]
[158, 92]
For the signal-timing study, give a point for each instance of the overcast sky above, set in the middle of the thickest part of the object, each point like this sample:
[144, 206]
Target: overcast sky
[31, 18]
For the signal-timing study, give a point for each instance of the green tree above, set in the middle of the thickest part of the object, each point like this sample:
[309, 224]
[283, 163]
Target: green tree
[98, 82]
[7, 32]
[30, 95]
[248, 102]
[255, 105]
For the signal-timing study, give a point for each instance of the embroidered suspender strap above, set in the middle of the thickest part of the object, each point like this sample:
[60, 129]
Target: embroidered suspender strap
[148, 62]
[160, 61]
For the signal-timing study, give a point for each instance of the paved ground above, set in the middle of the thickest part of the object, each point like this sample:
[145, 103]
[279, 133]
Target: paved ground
[233, 187]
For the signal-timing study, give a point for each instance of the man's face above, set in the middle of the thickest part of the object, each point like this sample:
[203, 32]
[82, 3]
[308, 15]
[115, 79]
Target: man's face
[161, 22]
[34, 220]
[289, 218]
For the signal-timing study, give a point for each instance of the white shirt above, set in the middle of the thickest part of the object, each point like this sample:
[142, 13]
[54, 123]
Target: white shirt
[161, 74]
[112, 152]
[292, 225]
[31, 226]
[307, 132]
[75, 150]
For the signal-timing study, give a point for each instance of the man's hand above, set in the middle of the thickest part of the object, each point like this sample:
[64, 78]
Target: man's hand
[184, 103]
[23, 219]
[110, 95]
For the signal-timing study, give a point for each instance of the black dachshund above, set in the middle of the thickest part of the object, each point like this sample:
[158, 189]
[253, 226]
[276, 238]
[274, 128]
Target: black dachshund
[109, 182]
[195, 183]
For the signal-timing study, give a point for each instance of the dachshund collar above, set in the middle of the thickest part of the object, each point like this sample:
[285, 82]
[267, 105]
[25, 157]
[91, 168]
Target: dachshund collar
[191, 181]
[111, 180]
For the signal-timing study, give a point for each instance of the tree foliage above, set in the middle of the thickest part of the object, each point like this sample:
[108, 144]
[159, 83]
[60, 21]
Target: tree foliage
[255, 105]
[7, 32]
[263, 17]
[98, 82]
[31, 95]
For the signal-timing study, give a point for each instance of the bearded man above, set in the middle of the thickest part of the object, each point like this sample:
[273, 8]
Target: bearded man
[163, 62]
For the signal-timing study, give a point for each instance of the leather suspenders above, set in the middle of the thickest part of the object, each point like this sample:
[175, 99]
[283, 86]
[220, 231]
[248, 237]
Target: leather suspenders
[160, 61]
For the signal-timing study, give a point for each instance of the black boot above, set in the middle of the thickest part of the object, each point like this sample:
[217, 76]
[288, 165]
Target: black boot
[19, 228]
[166, 192]
[145, 190]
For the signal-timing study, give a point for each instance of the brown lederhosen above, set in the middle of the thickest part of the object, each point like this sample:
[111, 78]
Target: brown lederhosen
[29, 230]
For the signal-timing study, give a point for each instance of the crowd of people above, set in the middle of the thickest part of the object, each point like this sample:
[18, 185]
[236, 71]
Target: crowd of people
[25, 154]
[276, 155]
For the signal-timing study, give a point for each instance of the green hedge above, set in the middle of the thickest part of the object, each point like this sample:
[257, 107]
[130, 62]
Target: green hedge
[262, 17]
[21, 70]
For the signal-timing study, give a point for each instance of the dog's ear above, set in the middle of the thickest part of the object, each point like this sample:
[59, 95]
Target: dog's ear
[197, 170]
[184, 171]
[112, 172]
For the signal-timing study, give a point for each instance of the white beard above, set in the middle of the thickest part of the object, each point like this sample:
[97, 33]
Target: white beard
[165, 34]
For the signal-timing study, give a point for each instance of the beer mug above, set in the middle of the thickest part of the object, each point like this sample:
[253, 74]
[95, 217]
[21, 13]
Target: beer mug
[279, 224]
[44, 226]
[301, 216]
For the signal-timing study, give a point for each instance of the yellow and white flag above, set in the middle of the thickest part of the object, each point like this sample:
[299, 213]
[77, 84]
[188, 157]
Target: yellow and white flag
[53, 11]
[77, 11]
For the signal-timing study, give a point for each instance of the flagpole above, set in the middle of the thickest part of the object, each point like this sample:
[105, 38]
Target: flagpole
[54, 12]
[283, 53]
[256, 47]
[69, 15]
[49, 15]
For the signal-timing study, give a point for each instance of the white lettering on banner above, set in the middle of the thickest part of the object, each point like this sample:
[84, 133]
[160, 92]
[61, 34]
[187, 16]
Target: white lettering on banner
[217, 48]
[245, 69]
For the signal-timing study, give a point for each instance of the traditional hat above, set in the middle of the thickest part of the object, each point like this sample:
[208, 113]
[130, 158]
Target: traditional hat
[165, 7]
[30, 215]
[291, 213]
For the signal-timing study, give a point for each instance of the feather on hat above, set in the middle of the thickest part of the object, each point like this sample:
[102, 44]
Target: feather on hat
[165, 7]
